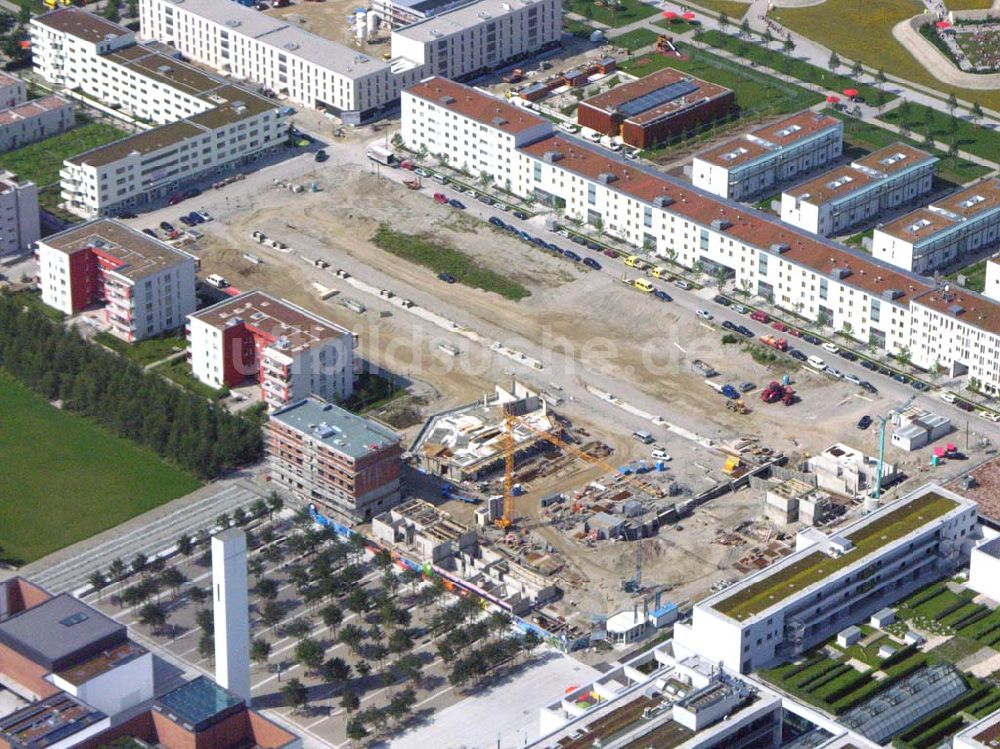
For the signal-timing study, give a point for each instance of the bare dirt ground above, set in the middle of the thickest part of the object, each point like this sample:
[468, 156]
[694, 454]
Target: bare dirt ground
[329, 19]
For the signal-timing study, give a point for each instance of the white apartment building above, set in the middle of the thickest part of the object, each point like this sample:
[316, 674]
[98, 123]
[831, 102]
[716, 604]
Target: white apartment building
[942, 233]
[816, 278]
[844, 197]
[404, 12]
[292, 352]
[12, 91]
[34, 120]
[146, 286]
[831, 582]
[321, 73]
[20, 225]
[480, 36]
[758, 161]
[206, 124]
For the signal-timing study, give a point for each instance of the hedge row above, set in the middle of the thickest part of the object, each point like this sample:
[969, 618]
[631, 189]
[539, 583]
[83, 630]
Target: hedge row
[934, 735]
[940, 605]
[842, 687]
[981, 613]
[961, 613]
[951, 609]
[822, 681]
[898, 657]
[924, 595]
[901, 672]
[985, 707]
[983, 627]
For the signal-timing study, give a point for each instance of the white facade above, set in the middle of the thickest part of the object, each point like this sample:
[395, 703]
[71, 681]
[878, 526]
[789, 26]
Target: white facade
[762, 634]
[760, 160]
[479, 36]
[117, 689]
[231, 611]
[12, 90]
[34, 120]
[833, 202]
[19, 218]
[207, 124]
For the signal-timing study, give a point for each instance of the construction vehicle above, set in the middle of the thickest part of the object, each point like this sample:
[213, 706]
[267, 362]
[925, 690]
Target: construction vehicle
[509, 444]
[729, 391]
[737, 406]
[774, 342]
[514, 76]
[448, 492]
[777, 392]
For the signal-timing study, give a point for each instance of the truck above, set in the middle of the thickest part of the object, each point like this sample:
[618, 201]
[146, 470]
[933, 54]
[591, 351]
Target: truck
[703, 368]
[777, 392]
[774, 342]
[514, 76]
[381, 154]
[730, 392]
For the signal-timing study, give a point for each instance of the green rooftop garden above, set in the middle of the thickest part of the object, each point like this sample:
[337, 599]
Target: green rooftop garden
[812, 568]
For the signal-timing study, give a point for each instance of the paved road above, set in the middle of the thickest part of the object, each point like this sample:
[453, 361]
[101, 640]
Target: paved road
[68, 570]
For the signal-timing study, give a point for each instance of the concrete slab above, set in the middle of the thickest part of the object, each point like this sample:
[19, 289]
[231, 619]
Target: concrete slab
[508, 711]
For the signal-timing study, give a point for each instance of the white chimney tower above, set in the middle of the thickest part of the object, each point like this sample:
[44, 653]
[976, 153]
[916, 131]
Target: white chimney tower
[231, 613]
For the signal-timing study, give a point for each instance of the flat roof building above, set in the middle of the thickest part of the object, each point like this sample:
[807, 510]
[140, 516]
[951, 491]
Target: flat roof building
[34, 120]
[20, 220]
[944, 232]
[867, 188]
[292, 352]
[762, 159]
[650, 110]
[145, 285]
[346, 465]
[56, 721]
[809, 596]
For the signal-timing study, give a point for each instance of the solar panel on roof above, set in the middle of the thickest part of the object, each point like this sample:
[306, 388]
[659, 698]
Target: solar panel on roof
[656, 98]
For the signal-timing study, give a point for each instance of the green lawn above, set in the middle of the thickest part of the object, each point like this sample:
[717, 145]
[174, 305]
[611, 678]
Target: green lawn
[872, 137]
[980, 141]
[756, 92]
[677, 25]
[144, 352]
[790, 65]
[40, 162]
[816, 566]
[863, 31]
[577, 28]
[180, 372]
[635, 39]
[967, 4]
[735, 10]
[975, 276]
[66, 479]
[372, 391]
[622, 14]
[443, 259]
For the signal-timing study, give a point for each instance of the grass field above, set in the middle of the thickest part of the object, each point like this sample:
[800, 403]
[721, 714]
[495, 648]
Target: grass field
[755, 91]
[40, 162]
[967, 4]
[144, 352]
[66, 479]
[635, 39]
[862, 31]
[975, 276]
[731, 8]
[622, 14]
[676, 25]
[980, 141]
[804, 71]
[442, 259]
[179, 371]
[872, 137]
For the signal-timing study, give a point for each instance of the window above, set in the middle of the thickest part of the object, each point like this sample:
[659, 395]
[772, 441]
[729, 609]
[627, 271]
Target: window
[822, 288]
[762, 263]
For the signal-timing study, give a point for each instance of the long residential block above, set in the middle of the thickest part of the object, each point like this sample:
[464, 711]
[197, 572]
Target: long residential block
[13, 90]
[292, 352]
[206, 123]
[944, 232]
[834, 581]
[344, 464]
[809, 275]
[759, 161]
[844, 197]
[146, 286]
[467, 39]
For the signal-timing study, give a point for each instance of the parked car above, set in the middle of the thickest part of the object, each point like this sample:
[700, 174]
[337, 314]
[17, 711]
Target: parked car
[746, 387]
[683, 284]
[167, 227]
[321, 156]
[849, 355]
[194, 192]
[831, 347]
[422, 172]
[175, 199]
[919, 386]
[485, 199]
[501, 206]
[591, 263]
[964, 405]
[521, 215]
[719, 299]
[149, 232]
[205, 216]
[186, 221]
[196, 218]
[729, 325]
[497, 222]
[610, 253]
[795, 332]
[779, 326]
[797, 355]
[864, 422]
[595, 247]
[948, 397]
[990, 415]
[833, 372]
[659, 453]
[760, 316]
[571, 255]
[563, 233]
[865, 385]
[440, 197]
[810, 339]
[704, 314]
[869, 365]
[457, 204]
[447, 278]
[744, 330]
[885, 371]
[853, 379]
[662, 295]
[901, 378]
[740, 309]
[127, 214]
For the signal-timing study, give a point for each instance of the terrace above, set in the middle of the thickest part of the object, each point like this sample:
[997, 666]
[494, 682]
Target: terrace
[816, 566]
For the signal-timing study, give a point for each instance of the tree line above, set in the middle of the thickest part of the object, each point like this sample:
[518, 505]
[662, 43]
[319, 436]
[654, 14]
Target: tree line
[184, 428]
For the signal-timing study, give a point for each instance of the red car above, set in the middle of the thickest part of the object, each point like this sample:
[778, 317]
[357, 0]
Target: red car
[794, 332]
[610, 253]
[406, 164]
[175, 199]
[440, 197]
[760, 316]
[779, 326]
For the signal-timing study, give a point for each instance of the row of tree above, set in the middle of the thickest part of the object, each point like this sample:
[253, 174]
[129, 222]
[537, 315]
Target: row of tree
[186, 429]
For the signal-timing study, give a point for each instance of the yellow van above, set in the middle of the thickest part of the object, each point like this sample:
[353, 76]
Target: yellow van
[633, 261]
[643, 285]
[659, 272]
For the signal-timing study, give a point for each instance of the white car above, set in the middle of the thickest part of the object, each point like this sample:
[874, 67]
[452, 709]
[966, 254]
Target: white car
[832, 348]
[563, 233]
[854, 380]
[631, 155]
[704, 314]
[948, 397]
[990, 415]
[205, 216]
[834, 372]
[596, 137]
[660, 454]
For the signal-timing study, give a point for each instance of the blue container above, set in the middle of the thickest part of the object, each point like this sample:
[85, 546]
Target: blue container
[935, 460]
[786, 380]
[661, 465]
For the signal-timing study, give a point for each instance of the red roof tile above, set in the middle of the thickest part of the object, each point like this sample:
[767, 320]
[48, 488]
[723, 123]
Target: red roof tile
[476, 105]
